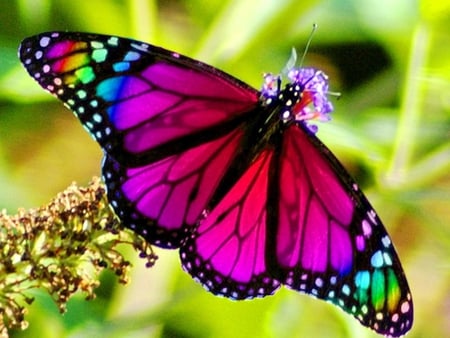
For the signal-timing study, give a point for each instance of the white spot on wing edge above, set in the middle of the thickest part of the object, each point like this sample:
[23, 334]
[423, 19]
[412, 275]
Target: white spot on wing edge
[44, 41]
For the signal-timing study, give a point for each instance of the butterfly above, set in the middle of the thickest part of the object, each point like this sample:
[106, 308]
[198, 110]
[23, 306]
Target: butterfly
[234, 177]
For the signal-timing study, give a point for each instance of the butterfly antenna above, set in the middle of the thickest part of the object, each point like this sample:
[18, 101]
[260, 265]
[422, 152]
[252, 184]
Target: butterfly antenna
[308, 43]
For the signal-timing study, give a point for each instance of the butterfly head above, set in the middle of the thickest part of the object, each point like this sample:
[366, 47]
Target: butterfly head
[303, 99]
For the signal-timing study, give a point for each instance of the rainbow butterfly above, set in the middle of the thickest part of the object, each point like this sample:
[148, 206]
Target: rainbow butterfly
[236, 178]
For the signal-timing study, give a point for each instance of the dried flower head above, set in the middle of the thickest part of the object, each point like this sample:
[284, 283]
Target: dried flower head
[61, 247]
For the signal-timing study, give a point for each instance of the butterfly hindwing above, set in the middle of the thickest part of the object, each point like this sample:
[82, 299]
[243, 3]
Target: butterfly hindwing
[329, 241]
[140, 102]
[226, 253]
[164, 199]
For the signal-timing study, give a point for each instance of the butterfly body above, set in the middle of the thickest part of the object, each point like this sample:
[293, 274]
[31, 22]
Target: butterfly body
[234, 177]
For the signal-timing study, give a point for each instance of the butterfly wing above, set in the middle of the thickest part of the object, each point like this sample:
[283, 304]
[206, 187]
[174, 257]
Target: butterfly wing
[226, 253]
[164, 199]
[159, 116]
[330, 243]
[140, 102]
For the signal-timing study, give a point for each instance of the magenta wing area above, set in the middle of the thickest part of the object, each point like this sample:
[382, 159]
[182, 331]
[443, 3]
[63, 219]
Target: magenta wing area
[227, 252]
[139, 101]
[331, 243]
[164, 200]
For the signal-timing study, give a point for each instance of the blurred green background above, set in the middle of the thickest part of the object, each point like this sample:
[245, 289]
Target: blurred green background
[391, 129]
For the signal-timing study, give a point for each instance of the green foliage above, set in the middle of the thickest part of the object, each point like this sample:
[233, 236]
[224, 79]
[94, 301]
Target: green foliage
[391, 62]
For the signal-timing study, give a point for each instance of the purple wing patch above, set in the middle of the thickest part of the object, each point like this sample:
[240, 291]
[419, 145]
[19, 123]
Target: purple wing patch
[314, 209]
[163, 200]
[135, 99]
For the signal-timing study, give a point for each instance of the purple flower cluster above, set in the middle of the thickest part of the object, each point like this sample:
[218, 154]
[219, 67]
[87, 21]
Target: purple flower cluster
[314, 84]
[314, 103]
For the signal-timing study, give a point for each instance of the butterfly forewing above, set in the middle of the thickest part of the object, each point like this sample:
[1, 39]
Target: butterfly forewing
[169, 125]
[140, 102]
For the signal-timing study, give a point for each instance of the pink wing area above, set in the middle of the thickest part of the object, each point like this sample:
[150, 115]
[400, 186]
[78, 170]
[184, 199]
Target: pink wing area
[137, 100]
[169, 101]
[314, 209]
[329, 241]
[226, 253]
[163, 200]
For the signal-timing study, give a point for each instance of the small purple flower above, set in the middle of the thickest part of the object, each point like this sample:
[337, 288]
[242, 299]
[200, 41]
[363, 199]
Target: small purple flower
[314, 103]
[315, 82]
[271, 85]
